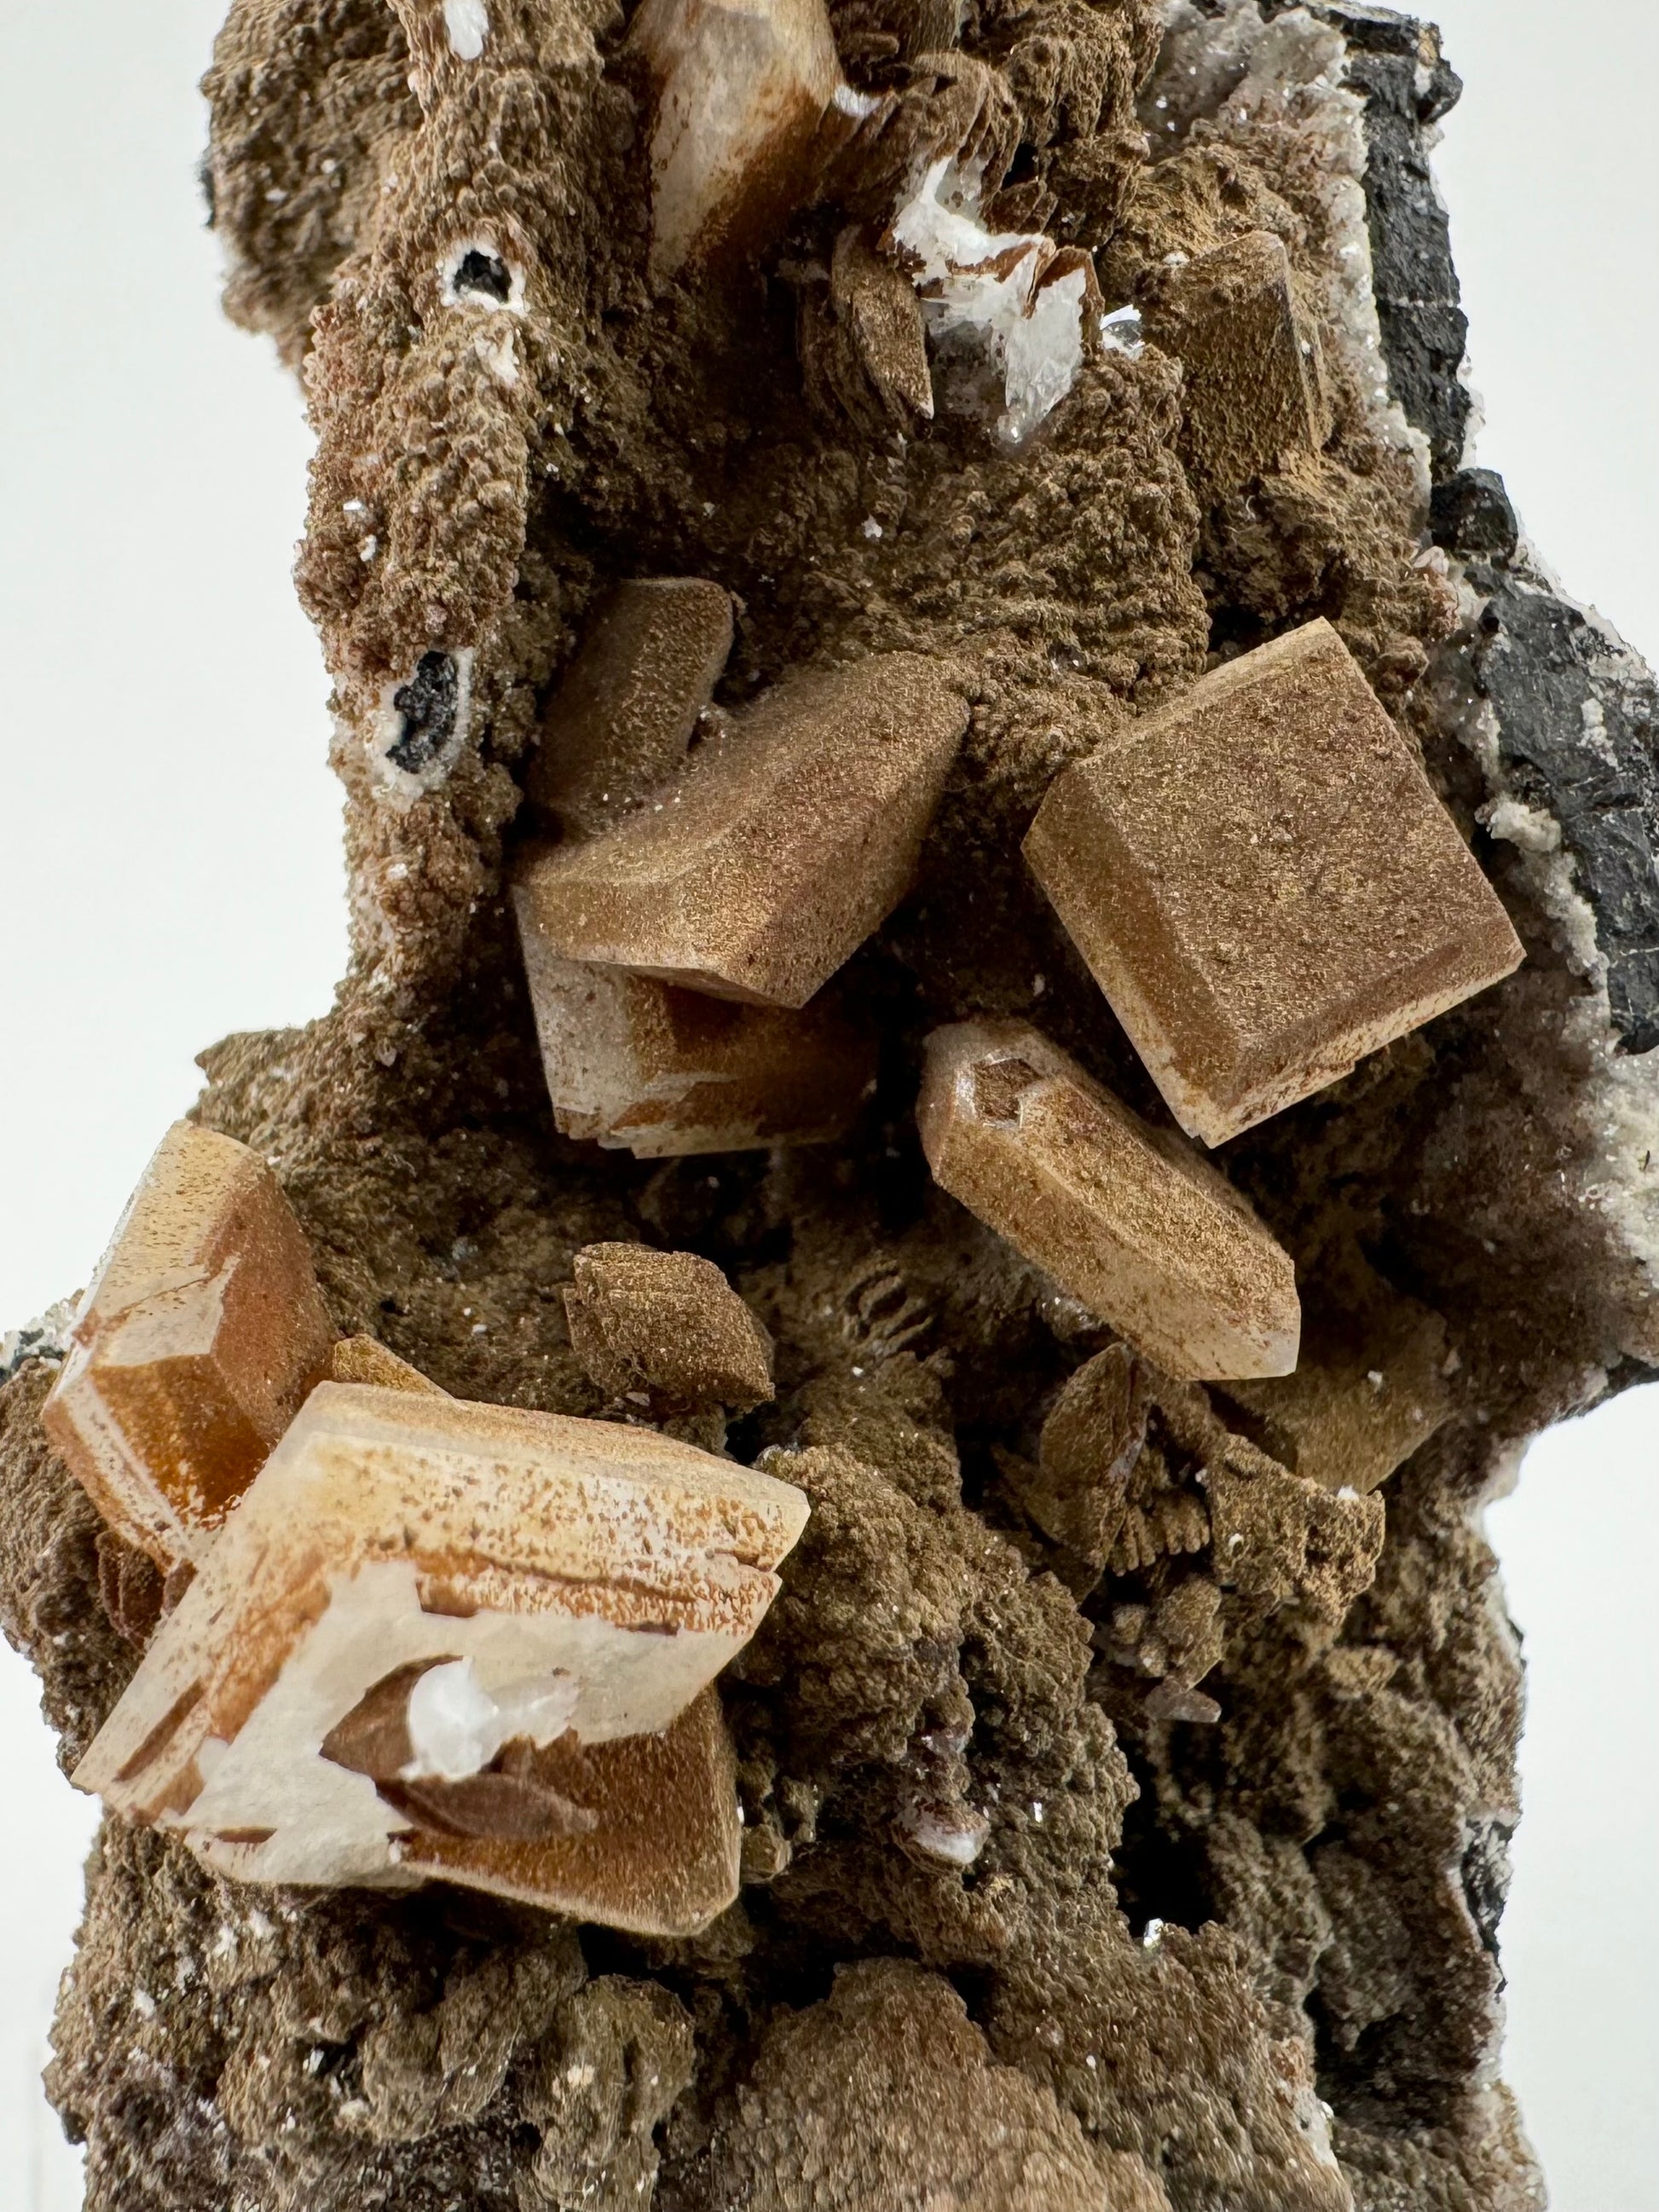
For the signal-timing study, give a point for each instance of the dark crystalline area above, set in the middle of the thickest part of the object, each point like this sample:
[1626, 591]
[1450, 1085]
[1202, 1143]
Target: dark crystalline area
[1124, 1768]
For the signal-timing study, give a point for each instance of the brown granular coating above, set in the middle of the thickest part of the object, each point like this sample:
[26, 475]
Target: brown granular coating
[1326, 1857]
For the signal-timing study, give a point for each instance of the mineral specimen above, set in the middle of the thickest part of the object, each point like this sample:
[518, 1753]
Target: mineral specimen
[1127, 1218]
[1124, 1781]
[430, 1620]
[1253, 375]
[636, 1064]
[201, 1335]
[1264, 884]
[665, 1326]
[785, 842]
[627, 707]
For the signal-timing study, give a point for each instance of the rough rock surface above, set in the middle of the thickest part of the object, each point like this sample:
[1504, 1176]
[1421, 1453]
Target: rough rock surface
[1187, 1868]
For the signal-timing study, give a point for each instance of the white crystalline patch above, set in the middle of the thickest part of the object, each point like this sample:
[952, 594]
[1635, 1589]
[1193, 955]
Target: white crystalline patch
[983, 286]
[1043, 352]
[858, 105]
[456, 1727]
[1120, 330]
[467, 22]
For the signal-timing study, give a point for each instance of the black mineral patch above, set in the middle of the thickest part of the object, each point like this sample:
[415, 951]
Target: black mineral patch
[427, 706]
[483, 276]
[1470, 515]
[1394, 63]
[1577, 723]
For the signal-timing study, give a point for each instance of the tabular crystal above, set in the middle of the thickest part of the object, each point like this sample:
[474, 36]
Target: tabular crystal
[1129, 1220]
[1264, 884]
[789, 837]
[439, 1638]
[197, 1341]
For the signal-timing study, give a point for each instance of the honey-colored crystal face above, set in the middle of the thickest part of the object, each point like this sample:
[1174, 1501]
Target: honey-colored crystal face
[435, 1636]
[790, 837]
[626, 711]
[362, 1359]
[199, 1338]
[1254, 380]
[1264, 884]
[1129, 1220]
[636, 1065]
[666, 1325]
[742, 87]
[1370, 1387]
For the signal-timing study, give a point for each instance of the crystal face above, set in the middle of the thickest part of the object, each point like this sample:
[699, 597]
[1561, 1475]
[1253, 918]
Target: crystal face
[668, 1325]
[554, 1597]
[1264, 884]
[742, 88]
[201, 1335]
[623, 716]
[634, 1064]
[788, 838]
[1253, 369]
[1127, 1219]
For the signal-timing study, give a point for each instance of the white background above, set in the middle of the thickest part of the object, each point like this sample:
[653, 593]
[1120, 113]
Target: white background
[169, 867]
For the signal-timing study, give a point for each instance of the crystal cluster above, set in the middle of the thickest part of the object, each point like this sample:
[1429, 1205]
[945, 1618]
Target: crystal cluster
[413, 1637]
[461, 1640]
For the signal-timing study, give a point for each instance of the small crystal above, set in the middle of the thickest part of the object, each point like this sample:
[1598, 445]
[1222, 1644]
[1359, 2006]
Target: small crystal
[1369, 1389]
[419, 1597]
[635, 1064]
[199, 1338]
[787, 838]
[743, 91]
[668, 1324]
[1254, 374]
[622, 718]
[1264, 884]
[1127, 1219]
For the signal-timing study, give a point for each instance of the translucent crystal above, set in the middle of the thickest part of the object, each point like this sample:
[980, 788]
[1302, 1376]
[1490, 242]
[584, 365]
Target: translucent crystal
[742, 88]
[635, 1064]
[1127, 1219]
[1264, 884]
[298, 1716]
[200, 1336]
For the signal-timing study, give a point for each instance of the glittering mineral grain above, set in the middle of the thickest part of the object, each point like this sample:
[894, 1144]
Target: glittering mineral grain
[1264, 884]
[469, 1608]
[1125, 1219]
[1250, 358]
[632, 1063]
[667, 1324]
[789, 837]
[200, 1335]
[626, 710]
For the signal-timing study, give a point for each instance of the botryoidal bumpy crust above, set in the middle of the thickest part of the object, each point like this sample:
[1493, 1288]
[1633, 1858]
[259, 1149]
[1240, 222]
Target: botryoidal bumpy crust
[1126, 1765]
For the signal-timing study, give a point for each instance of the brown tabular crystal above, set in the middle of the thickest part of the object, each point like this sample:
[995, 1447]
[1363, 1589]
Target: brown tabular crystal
[625, 715]
[1254, 376]
[1370, 1387]
[1129, 1220]
[200, 1336]
[502, 1593]
[668, 1325]
[1264, 884]
[789, 837]
[637, 1065]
